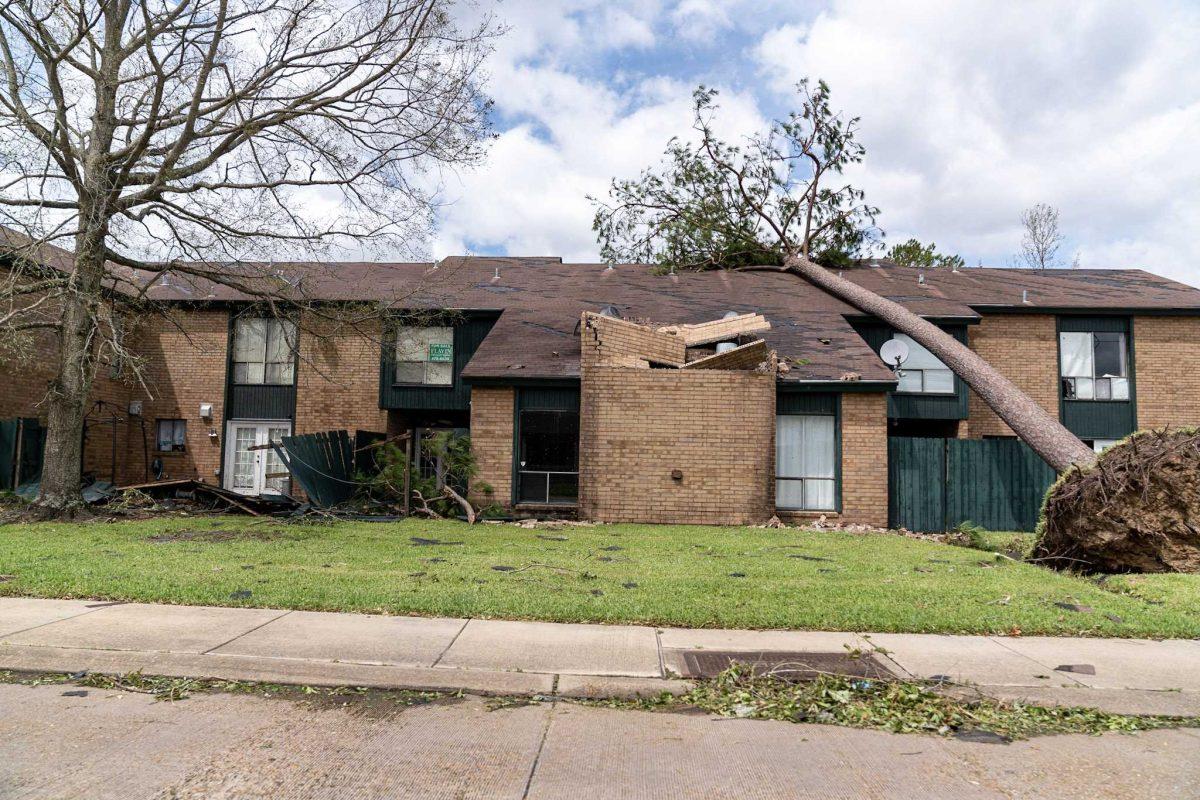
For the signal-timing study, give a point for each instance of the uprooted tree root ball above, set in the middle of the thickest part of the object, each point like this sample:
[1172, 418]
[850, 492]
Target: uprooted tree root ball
[1137, 509]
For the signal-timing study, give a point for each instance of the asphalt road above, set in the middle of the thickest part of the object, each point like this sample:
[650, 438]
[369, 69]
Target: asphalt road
[113, 744]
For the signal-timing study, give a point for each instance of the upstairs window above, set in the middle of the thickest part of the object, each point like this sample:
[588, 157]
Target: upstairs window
[922, 372]
[264, 351]
[1094, 365]
[425, 355]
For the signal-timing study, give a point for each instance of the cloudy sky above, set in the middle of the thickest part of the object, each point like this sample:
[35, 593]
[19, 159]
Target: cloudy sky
[970, 113]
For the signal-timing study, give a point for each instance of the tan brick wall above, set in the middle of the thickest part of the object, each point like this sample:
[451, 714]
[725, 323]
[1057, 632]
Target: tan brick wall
[1024, 347]
[864, 459]
[607, 340]
[337, 381]
[638, 425]
[492, 410]
[1166, 352]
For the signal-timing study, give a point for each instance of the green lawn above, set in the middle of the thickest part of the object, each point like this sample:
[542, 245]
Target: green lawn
[667, 575]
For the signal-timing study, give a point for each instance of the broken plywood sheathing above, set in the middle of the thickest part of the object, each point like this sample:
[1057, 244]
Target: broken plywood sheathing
[747, 356]
[718, 330]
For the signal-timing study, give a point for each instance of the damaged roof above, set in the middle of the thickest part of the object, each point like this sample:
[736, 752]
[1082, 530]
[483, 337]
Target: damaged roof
[540, 301]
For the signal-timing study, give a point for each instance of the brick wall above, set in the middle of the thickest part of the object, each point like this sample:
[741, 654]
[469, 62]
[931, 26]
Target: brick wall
[492, 410]
[1166, 353]
[716, 427]
[337, 381]
[864, 459]
[607, 340]
[28, 370]
[185, 355]
[1024, 347]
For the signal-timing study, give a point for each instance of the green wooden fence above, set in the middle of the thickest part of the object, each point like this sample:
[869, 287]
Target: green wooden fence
[937, 484]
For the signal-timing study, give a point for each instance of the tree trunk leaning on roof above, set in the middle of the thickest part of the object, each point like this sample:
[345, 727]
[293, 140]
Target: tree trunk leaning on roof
[1047, 437]
[778, 202]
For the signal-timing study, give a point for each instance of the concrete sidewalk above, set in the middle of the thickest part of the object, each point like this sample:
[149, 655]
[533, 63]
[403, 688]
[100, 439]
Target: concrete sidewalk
[576, 660]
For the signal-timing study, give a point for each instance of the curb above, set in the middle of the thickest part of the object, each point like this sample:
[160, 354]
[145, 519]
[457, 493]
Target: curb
[32, 658]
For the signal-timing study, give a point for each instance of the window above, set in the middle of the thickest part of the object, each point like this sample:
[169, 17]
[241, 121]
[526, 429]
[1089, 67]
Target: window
[1100, 445]
[172, 435]
[805, 462]
[1094, 366]
[425, 355]
[264, 351]
[922, 372]
[548, 457]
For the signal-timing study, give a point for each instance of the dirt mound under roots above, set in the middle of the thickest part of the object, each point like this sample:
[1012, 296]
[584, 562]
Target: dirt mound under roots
[1136, 510]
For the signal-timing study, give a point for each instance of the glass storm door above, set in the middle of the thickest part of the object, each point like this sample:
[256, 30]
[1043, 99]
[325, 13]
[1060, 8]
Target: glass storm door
[251, 467]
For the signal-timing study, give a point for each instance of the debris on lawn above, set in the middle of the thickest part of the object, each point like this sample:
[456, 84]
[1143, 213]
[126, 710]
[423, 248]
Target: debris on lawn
[1076, 607]
[421, 541]
[217, 535]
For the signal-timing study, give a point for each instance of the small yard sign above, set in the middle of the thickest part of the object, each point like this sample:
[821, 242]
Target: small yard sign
[441, 353]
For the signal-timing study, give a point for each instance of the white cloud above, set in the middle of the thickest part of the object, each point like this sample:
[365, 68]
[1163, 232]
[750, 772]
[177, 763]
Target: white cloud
[971, 113]
[700, 19]
[531, 196]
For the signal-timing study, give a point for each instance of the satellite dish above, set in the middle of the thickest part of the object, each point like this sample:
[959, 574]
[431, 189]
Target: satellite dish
[894, 352]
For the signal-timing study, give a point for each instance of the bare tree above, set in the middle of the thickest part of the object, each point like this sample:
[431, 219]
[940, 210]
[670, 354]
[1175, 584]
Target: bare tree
[1039, 247]
[779, 215]
[191, 136]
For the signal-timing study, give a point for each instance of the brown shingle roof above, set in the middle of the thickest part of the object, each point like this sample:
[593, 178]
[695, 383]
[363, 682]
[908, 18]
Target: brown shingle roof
[541, 300]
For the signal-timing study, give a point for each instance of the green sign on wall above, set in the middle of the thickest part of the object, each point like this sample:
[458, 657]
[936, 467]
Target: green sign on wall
[441, 353]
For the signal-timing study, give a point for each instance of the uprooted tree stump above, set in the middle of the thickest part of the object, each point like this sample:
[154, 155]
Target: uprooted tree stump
[1137, 509]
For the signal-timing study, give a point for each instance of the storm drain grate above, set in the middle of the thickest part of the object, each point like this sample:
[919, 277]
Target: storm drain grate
[798, 666]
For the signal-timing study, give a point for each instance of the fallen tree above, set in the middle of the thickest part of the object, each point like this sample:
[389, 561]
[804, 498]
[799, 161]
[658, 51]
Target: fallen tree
[778, 202]
[1136, 509]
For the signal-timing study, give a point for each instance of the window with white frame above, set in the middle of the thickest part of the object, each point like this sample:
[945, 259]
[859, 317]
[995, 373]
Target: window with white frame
[805, 462]
[264, 351]
[172, 435]
[922, 372]
[1094, 365]
[425, 355]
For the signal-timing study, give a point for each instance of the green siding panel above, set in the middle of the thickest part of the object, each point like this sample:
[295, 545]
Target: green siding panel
[1094, 324]
[468, 334]
[260, 401]
[1098, 419]
[806, 403]
[553, 398]
[938, 484]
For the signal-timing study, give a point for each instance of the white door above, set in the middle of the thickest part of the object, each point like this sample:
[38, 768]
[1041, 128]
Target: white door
[248, 460]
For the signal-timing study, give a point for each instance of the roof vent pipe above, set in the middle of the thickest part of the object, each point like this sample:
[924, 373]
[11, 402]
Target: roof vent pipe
[1024, 295]
[497, 275]
[611, 266]
[921, 278]
[725, 347]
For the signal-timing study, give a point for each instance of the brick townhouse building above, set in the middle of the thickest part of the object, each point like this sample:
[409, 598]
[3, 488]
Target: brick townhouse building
[582, 393]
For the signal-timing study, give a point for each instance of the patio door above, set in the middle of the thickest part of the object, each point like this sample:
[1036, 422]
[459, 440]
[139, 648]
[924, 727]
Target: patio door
[251, 467]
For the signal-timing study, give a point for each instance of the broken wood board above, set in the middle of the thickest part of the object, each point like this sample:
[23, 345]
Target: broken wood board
[718, 330]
